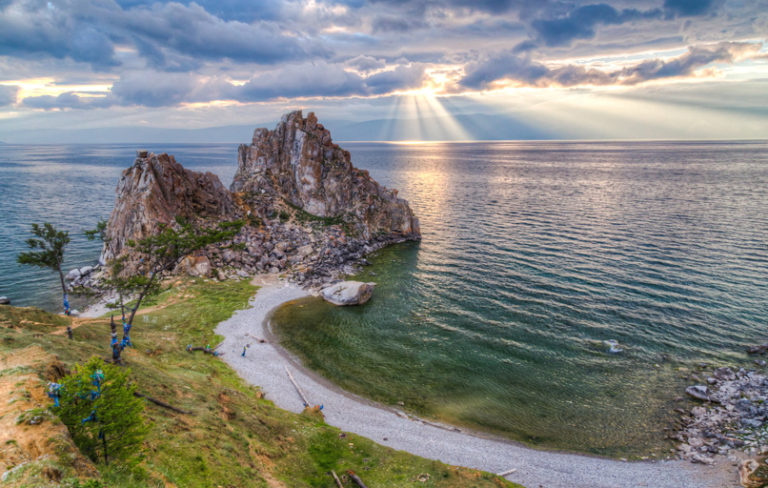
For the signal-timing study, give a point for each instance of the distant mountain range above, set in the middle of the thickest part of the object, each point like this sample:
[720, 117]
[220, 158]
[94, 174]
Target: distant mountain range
[461, 127]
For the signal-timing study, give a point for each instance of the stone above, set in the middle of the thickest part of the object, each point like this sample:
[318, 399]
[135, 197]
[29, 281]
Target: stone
[5, 301]
[699, 392]
[72, 275]
[348, 293]
[86, 270]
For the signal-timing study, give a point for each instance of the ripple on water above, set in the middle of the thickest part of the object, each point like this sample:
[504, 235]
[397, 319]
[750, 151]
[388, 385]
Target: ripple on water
[532, 255]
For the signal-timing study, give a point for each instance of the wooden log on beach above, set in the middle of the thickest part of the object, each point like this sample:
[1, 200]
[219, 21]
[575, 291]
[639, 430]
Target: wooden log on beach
[160, 403]
[296, 385]
[507, 472]
[356, 479]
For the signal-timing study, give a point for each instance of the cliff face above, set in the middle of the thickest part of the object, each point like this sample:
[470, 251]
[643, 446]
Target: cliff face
[307, 210]
[299, 164]
[156, 190]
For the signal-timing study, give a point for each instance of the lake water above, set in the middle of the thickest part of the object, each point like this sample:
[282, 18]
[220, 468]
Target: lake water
[532, 255]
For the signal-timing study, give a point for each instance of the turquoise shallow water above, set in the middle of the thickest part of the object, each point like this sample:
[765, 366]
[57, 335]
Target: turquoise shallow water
[532, 255]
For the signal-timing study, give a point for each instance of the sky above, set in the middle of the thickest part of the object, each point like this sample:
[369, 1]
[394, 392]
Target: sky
[133, 70]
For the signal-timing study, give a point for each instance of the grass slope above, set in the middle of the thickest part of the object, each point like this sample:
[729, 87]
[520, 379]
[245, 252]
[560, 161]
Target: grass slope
[234, 437]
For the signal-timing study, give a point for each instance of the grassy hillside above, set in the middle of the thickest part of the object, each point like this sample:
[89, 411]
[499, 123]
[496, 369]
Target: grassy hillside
[232, 438]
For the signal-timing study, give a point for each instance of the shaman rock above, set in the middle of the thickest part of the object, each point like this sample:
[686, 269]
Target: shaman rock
[298, 163]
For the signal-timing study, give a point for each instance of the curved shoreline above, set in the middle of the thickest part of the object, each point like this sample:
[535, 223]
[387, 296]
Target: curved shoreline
[265, 365]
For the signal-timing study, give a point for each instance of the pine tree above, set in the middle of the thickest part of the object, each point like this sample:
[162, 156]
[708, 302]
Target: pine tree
[98, 405]
[49, 245]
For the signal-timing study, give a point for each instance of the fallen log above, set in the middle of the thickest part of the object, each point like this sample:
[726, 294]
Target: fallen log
[206, 350]
[507, 472]
[298, 389]
[160, 403]
[356, 479]
[336, 478]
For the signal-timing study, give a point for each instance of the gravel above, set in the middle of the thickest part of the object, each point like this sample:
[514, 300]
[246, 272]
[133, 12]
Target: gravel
[265, 365]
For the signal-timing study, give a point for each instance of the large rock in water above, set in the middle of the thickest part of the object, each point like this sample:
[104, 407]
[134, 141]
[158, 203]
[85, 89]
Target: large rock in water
[156, 190]
[348, 293]
[299, 163]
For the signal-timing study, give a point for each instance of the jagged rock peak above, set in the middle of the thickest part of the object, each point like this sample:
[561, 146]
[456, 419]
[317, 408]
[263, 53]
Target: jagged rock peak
[155, 190]
[299, 164]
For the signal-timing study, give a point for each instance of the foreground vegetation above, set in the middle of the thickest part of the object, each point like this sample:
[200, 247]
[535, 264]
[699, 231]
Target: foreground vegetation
[233, 437]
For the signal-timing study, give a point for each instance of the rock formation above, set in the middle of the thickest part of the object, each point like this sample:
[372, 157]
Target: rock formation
[307, 210]
[299, 164]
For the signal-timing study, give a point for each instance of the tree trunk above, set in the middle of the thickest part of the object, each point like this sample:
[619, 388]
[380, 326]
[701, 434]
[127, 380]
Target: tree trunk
[64, 291]
[141, 297]
[104, 443]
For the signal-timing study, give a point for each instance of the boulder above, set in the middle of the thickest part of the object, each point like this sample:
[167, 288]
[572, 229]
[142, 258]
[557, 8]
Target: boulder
[5, 301]
[196, 265]
[348, 293]
[72, 275]
[86, 270]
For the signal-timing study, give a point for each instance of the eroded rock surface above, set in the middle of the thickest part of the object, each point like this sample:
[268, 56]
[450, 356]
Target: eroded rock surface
[299, 164]
[156, 190]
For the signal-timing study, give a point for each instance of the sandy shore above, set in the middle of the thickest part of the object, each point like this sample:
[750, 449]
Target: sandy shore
[265, 365]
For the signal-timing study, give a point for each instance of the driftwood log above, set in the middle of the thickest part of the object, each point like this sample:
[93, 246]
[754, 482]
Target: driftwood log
[206, 350]
[356, 479]
[160, 403]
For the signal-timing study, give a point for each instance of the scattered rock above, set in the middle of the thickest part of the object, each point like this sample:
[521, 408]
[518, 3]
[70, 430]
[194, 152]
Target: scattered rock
[613, 346]
[5, 301]
[348, 293]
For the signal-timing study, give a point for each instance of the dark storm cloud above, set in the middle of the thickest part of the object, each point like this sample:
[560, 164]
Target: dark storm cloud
[686, 8]
[522, 69]
[580, 23]
[31, 28]
[8, 94]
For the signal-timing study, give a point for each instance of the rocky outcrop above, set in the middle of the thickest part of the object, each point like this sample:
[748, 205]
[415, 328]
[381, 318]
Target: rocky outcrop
[307, 210]
[348, 293]
[299, 164]
[156, 190]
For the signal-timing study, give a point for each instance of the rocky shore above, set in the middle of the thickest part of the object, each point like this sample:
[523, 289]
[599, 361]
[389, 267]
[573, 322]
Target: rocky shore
[729, 418]
[308, 212]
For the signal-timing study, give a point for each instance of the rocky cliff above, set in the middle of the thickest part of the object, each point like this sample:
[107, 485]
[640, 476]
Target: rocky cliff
[156, 190]
[308, 210]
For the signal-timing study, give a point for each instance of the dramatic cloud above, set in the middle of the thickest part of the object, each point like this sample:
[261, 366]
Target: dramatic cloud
[88, 30]
[326, 80]
[523, 70]
[8, 94]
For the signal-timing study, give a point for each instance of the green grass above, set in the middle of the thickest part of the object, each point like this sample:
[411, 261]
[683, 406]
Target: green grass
[233, 438]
